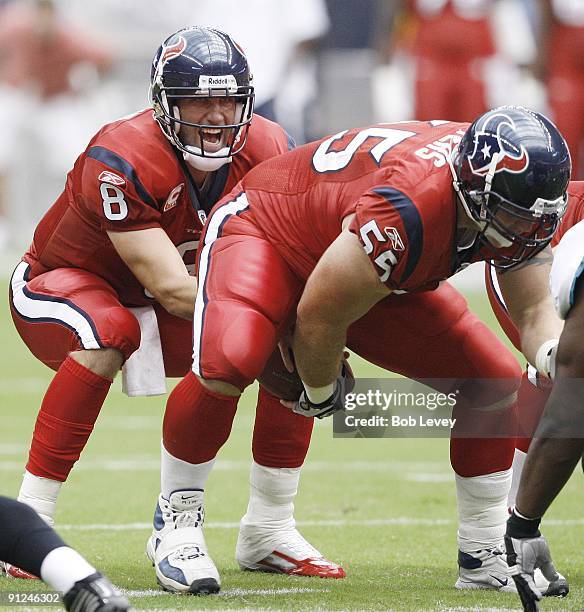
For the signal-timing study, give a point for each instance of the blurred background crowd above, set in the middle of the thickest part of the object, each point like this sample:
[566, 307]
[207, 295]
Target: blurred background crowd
[320, 66]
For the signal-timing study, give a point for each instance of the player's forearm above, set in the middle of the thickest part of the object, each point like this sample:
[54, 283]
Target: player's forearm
[178, 296]
[526, 294]
[318, 348]
[550, 463]
[536, 326]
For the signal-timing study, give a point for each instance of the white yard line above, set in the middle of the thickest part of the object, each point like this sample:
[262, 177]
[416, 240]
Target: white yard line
[402, 521]
[132, 423]
[283, 591]
[12, 449]
[24, 386]
[227, 593]
[144, 593]
[149, 463]
[433, 477]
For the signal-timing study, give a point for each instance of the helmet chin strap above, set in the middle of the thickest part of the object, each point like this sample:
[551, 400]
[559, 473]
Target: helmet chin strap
[207, 163]
[461, 198]
[490, 233]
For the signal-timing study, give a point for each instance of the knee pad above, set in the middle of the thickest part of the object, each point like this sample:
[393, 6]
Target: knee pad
[246, 341]
[119, 329]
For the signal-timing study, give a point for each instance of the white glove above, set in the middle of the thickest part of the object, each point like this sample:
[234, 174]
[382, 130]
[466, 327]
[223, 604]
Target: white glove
[343, 385]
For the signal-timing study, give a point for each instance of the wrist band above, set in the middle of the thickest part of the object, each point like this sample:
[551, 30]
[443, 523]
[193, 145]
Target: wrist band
[543, 362]
[520, 527]
[318, 395]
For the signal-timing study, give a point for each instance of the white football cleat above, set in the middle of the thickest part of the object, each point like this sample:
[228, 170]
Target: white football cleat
[283, 551]
[488, 569]
[484, 569]
[177, 546]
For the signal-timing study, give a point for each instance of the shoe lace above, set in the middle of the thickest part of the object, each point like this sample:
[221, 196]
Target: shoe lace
[189, 552]
[193, 517]
[498, 551]
[298, 544]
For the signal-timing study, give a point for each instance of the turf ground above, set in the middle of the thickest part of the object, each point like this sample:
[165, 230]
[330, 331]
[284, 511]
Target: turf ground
[385, 509]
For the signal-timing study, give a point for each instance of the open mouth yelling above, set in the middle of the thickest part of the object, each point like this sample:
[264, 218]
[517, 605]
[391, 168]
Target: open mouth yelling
[211, 138]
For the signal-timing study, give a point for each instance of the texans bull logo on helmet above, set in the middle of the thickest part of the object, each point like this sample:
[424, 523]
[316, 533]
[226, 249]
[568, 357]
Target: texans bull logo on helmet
[491, 147]
[173, 51]
[168, 53]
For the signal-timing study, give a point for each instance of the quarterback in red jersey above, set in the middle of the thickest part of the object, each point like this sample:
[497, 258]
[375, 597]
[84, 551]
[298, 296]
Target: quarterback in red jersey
[351, 239]
[106, 280]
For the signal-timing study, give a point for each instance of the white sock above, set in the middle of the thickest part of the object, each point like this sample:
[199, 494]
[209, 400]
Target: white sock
[517, 467]
[272, 493]
[179, 475]
[41, 495]
[63, 567]
[482, 510]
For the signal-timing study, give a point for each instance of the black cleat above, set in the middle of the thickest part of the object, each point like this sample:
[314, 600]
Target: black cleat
[95, 593]
[204, 586]
[558, 588]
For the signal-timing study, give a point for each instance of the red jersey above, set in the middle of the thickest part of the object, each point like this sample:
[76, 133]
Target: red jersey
[452, 30]
[574, 213]
[396, 180]
[131, 178]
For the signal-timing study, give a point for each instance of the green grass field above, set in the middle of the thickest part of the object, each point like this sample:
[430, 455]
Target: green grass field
[385, 509]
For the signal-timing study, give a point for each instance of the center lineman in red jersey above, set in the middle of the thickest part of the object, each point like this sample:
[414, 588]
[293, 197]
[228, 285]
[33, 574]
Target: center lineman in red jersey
[351, 238]
[108, 271]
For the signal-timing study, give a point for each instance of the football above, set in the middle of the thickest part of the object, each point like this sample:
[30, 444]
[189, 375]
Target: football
[278, 381]
[287, 385]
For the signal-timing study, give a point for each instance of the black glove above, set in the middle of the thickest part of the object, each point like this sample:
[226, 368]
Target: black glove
[528, 550]
[344, 384]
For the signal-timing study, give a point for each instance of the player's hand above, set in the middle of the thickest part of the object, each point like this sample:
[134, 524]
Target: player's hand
[343, 385]
[528, 550]
[285, 346]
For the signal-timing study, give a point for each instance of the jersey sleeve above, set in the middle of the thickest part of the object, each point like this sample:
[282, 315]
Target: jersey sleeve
[567, 268]
[267, 139]
[114, 193]
[389, 227]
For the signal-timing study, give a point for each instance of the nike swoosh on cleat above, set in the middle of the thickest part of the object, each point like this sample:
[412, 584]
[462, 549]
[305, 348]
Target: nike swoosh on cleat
[501, 582]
